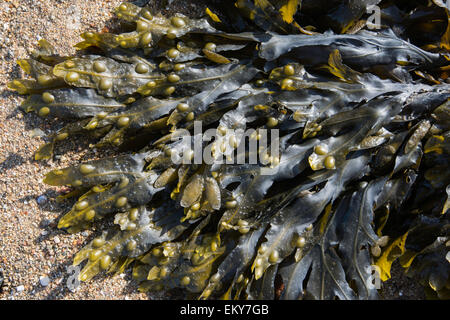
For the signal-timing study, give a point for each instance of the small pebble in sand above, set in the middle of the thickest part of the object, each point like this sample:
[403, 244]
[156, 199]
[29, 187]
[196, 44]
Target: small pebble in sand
[44, 281]
[56, 239]
[41, 200]
[20, 288]
[45, 223]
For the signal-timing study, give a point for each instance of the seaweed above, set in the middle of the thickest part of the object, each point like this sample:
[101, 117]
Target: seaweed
[349, 127]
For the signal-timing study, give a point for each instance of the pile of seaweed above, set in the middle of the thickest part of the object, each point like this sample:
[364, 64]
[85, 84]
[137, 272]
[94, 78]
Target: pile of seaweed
[354, 175]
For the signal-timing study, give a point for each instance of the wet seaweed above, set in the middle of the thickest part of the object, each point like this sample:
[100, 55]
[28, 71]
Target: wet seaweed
[359, 176]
